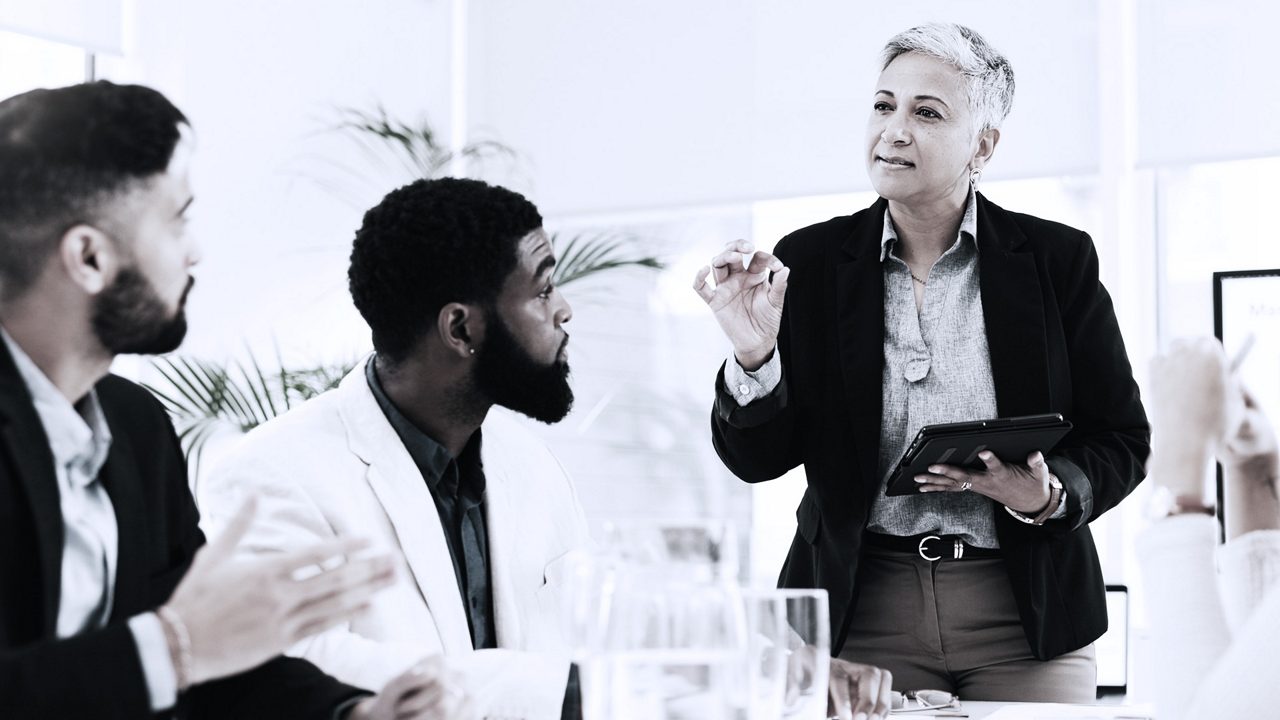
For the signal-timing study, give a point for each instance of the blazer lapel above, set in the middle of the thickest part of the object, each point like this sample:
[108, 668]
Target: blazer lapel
[123, 483]
[405, 498]
[860, 330]
[1013, 308]
[502, 523]
[24, 440]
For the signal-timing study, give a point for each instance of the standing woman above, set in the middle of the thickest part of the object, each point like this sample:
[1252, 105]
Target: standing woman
[935, 305]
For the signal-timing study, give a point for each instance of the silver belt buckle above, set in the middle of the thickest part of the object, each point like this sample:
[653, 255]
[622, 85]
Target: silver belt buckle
[921, 550]
[957, 551]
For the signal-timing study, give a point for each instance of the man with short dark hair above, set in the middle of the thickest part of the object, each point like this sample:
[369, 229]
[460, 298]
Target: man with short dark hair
[109, 608]
[454, 278]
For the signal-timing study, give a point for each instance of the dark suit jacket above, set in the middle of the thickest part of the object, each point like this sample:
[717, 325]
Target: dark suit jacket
[98, 674]
[1055, 347]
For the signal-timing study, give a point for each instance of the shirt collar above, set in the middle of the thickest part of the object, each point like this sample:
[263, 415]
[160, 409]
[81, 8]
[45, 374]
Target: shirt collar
[78, 434]
[431, 457]
[968, 226]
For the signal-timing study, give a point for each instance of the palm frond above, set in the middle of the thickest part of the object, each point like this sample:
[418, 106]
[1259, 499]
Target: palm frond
[203, 396]
[414, 147]
[584, 255]
[260, 388]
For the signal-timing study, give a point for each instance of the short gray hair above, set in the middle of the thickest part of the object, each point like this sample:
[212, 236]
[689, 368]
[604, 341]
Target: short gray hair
[986, 72]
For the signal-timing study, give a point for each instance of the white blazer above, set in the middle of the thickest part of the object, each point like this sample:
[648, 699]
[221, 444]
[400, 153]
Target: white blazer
[335, 467]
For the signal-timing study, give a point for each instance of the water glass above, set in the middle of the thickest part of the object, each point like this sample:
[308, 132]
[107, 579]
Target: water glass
[666, 621]
[805, 631]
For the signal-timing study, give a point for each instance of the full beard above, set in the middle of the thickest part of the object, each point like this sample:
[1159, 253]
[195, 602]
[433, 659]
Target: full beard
[130, 318]
[507, 375]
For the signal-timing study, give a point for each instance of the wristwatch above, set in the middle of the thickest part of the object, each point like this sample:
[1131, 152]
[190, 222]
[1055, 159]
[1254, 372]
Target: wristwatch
[1055, 498]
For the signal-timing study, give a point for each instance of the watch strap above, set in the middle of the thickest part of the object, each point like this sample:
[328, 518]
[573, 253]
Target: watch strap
[1055, 497]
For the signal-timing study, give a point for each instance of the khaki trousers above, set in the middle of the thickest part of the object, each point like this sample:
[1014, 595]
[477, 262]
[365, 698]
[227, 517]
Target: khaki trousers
[953, 625]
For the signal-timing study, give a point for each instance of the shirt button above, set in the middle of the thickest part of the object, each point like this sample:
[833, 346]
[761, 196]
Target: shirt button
[916, 369]
[744, 390]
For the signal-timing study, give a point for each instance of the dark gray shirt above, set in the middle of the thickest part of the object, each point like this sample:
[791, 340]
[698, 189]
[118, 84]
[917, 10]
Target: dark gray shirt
[457, 487]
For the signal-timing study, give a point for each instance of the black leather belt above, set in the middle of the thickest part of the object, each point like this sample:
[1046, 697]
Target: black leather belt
[929, 547]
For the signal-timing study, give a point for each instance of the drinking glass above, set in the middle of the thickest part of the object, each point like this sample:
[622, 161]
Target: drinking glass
[765, 663]
[670, 622]
[804, 630]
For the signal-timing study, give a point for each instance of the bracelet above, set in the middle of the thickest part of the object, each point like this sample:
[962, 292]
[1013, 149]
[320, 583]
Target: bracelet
[179, 641]
[1190, 505]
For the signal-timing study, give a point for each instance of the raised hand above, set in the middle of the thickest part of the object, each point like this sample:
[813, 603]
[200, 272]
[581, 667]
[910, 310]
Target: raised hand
[1251, 471]
[239, 613]
[1191, 409]
[746, 303]
[1250, 439]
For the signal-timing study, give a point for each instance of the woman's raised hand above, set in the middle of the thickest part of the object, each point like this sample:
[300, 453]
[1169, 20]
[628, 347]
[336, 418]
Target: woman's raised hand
[745, 301]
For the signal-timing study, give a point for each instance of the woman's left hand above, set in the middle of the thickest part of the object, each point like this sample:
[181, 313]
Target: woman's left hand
[1024, 488]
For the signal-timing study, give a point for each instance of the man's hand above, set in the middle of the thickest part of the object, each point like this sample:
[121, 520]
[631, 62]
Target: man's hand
[859, 692]
[425, 691]
[746, 303]
[239, 613]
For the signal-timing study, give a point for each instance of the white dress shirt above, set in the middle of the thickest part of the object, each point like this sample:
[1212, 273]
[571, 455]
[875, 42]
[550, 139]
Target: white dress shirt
[80, 441]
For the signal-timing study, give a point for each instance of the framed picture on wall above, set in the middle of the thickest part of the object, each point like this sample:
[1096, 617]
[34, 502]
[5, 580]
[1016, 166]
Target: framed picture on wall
[1246, 310]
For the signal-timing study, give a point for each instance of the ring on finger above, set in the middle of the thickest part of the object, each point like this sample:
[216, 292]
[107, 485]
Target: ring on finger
[964, 486]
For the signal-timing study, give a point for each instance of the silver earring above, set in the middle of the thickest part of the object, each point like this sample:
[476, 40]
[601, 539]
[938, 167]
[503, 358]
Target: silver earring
[974, 175]
[473, 351]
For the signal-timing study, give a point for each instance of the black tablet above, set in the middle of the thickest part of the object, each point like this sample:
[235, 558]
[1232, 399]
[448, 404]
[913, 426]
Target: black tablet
[1011, 439]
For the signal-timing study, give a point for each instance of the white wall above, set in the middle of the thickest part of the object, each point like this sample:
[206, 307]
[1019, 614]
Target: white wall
[1208, 88]
[278, 198]
[627, 105]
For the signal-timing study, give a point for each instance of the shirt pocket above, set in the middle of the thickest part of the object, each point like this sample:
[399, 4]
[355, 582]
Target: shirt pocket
[553, 615]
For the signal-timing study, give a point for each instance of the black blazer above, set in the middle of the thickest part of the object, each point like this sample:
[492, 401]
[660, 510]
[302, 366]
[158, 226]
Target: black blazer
[98, 674]
[1055, 347]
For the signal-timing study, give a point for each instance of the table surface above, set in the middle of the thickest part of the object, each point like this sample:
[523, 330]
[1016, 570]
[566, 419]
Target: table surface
[976, 710]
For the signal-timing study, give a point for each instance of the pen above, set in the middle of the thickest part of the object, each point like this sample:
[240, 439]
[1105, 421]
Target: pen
[1242, 353]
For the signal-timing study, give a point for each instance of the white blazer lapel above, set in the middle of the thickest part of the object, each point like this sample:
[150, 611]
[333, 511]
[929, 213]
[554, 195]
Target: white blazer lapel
[502, 522]
[407, 502]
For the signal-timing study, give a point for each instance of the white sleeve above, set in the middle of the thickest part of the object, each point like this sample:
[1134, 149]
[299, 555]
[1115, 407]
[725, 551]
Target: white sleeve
[1240, 685]
[1248, 569]
[157, 664]
[1188, 630]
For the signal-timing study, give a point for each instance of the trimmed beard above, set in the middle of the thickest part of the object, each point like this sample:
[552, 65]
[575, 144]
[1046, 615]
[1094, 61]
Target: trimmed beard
[129, 317]
[507, 375]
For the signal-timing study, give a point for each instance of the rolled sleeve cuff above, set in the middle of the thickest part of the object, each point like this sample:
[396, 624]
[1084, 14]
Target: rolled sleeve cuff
[157, 665]
[748, 386]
